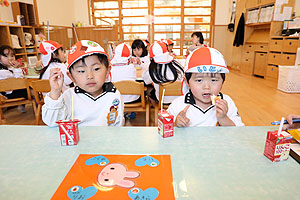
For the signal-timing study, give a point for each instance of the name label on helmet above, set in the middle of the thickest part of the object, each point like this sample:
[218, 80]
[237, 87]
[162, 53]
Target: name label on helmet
[207, 68]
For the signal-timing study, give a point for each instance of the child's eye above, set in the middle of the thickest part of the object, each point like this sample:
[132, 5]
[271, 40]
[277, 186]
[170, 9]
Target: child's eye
[198, 80]
[214, 80]
[80, 71]
[97, 68]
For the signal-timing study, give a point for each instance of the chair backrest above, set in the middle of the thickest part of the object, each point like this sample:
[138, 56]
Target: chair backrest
[171, 89]
[39, 87]
[15, 84]
[131, 88]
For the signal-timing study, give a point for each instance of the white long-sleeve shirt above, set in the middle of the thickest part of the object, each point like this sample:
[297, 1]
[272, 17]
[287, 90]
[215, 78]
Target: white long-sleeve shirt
[107, 109]
[199, 117]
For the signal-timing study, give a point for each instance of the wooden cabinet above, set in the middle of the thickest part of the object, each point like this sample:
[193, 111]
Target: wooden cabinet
[25, 9]
[23, 49]
[247, 62]
[282, 52]
[272, 71]
[255, 3]
[260, 64]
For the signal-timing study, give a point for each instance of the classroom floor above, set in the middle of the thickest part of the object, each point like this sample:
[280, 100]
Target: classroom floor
[257, 99]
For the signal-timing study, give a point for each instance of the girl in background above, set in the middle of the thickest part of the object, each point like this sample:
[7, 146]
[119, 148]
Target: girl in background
[53, 57]
[9, 68]
[140, 58]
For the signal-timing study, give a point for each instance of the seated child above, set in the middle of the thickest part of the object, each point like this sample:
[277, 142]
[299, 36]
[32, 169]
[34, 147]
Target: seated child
[123, 70]
[53, 57]
[9, 68]
[96, 102]
[163, 68]
[170, 45]
[140, 58]
[204, 76]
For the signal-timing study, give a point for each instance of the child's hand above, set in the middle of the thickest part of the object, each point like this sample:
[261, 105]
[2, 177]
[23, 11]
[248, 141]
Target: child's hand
[181, 119]
[56, 80]
[14, 63]
[290, 124]
[222, 109]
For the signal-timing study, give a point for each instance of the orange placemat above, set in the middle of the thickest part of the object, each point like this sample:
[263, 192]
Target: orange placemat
[109, 177]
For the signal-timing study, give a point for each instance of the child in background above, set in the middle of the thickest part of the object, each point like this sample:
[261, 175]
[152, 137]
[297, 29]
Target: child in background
[163, 68]
[123, 70]
[204, 76]
[197, 42]
[170, 45]
[53, 57]
[96, 102]
[9, 68]
[140, 58]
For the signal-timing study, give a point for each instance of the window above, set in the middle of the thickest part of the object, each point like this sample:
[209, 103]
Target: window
[174, 19]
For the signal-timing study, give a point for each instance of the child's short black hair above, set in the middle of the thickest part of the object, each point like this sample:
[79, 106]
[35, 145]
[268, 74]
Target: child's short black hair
[199, 35]
[102, 58]
[138, 43]
[188, 76]
[9, 48]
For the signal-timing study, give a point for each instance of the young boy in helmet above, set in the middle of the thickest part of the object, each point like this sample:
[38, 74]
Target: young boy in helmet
[204, 76]
[96, 102]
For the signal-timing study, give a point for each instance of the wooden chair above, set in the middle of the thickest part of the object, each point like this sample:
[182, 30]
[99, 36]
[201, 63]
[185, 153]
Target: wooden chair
[134, 88]
[171, 89]
[39, 87]
[14, 84]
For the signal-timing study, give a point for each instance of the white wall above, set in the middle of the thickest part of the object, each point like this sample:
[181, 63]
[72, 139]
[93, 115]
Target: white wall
[6, 12]
[81, 11]
[58, 12]
[223, 12]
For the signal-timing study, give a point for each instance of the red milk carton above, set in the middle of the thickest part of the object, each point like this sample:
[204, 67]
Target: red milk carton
[165, 124]
[277, 147]
[68, 130]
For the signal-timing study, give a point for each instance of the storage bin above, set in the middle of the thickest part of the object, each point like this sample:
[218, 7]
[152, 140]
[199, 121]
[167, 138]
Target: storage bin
[289, 79]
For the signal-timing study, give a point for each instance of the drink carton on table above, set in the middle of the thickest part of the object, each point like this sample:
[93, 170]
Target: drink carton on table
[277, 147]
[165, 124]
[68, 130]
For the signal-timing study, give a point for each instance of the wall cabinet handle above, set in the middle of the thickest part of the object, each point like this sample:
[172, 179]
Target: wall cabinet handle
[275, 42]
[290, 43]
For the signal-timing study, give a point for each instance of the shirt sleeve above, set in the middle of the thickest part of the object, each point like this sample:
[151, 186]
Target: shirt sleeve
[54, 110]
[5, 74]
[233, 113]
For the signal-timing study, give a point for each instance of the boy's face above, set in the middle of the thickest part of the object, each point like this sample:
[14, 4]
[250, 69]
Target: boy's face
[8, 58]
[204, 85]
[137, 52]
[89, 76]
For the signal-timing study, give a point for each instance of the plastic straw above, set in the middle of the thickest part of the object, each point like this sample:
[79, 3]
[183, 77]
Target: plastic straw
[72, 108]
[281, 125]
[162, 100]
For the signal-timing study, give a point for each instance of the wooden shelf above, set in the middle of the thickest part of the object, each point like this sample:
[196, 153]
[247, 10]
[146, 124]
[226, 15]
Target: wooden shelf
[259, 24]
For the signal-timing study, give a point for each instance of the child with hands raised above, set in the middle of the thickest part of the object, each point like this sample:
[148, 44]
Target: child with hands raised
[96, 102]
[204, 76]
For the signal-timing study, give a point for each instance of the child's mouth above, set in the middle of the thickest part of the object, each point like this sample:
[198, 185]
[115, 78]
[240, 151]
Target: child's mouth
[206, 95]
[91, 84]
